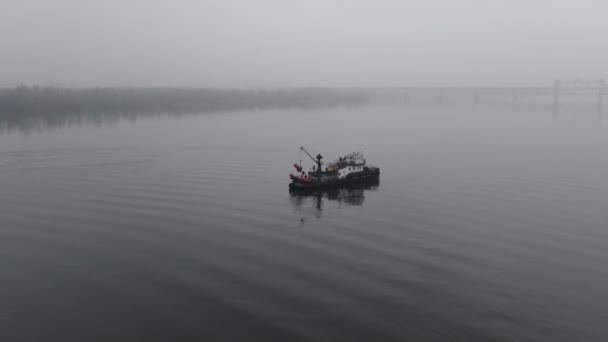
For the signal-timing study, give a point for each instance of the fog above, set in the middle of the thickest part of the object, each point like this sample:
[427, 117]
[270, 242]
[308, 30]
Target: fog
[277, 43]
[184, 170]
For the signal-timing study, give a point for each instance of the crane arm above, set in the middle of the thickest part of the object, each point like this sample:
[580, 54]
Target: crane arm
[308, 154]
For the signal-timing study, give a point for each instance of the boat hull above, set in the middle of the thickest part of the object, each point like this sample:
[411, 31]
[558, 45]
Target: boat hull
[370, 175]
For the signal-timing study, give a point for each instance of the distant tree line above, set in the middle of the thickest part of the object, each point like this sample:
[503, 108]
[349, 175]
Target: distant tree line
[29, 108]
[50, 100]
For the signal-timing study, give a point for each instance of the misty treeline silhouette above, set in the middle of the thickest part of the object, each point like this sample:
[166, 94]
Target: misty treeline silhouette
[27, 106]
[49, 100]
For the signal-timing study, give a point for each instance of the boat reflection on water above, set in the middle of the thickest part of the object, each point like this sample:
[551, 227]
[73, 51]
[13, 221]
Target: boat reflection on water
[312, 203]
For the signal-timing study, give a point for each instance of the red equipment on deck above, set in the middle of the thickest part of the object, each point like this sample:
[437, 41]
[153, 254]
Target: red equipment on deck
[299, 178]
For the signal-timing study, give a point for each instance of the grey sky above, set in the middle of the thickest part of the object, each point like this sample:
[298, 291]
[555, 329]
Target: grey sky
[229, 43]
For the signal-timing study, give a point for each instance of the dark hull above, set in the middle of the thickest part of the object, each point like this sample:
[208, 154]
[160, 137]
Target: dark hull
[353, 194]
[371, 175]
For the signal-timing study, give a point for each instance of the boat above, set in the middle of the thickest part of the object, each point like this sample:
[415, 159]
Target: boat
[350, 169]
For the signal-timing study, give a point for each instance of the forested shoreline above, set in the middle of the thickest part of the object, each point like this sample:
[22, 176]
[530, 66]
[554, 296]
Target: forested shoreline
[48, 101]
[32, 107]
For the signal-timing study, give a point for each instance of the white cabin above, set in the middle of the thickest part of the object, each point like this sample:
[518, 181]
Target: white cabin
[342, 173]
[355, 158]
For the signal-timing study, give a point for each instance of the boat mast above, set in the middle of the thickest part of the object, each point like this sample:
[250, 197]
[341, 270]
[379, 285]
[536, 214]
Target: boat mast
[317, 160]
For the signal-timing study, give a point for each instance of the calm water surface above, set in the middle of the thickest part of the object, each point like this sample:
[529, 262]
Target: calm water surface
[486, 225]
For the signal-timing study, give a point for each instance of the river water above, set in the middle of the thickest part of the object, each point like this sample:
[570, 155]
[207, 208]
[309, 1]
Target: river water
[487, 224]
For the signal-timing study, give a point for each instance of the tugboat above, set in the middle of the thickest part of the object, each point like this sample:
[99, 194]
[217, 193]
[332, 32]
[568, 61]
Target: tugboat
[344, 171]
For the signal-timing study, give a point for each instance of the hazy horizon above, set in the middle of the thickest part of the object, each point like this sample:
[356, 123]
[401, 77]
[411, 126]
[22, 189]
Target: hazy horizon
[249, 44]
